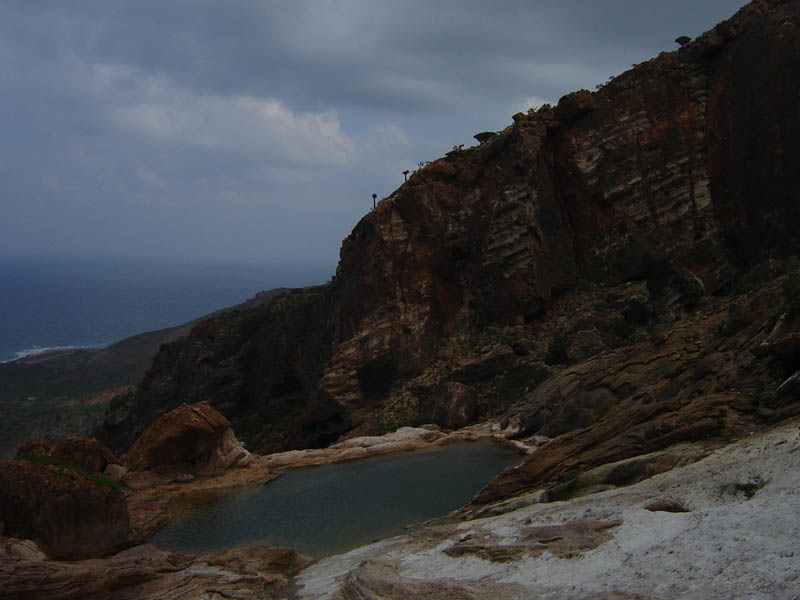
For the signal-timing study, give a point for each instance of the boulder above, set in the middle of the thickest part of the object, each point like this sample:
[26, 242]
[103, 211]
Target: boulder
[21, 550]
[66, 514]
[86, 453]
[115, 472]
[193, 438]
[38, 447]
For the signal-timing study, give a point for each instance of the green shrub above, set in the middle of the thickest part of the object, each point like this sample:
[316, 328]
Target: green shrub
[55, 462]
[375, 377]
[736, 322]
[570, 475]
[750, 488]
[791, 287]
[773, 319]
[558, 350]
[515, 383]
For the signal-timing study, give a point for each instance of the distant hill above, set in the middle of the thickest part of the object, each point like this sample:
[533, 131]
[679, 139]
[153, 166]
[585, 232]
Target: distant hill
[43, 394]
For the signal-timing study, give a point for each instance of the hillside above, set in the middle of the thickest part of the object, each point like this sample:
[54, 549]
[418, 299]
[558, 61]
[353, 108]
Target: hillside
[51, 394]
[602, 274]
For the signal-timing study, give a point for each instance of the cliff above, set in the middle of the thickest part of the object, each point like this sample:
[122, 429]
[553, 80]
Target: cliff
[64, 391]
[598, 270]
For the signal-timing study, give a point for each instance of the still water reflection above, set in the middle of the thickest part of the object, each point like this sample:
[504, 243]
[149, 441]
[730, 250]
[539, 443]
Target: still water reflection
[336, 507]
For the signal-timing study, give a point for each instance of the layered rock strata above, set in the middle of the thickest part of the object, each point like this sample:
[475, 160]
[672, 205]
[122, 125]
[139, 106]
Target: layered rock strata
[145, 572]
[677, 173]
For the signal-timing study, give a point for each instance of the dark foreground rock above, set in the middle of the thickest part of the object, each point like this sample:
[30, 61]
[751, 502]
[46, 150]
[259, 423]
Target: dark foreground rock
[66, 514]
[145, 573]
[84, 453]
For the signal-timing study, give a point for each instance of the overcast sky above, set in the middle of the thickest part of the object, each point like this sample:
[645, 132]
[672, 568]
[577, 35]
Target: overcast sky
[257, 130]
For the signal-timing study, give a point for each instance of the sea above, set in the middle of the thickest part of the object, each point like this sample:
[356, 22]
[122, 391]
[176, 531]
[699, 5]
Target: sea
[48, 303]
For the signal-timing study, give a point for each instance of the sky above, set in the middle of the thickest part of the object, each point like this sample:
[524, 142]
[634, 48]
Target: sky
[256, 131]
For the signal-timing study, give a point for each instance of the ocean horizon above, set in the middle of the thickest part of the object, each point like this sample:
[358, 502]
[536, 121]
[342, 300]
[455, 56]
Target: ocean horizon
[60, 303]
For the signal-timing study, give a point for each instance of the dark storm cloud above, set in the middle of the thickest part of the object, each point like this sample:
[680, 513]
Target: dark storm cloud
[379, 54]
[235, 128]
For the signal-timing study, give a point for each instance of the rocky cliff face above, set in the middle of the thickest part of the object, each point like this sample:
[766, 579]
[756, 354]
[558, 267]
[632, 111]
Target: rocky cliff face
[583, 230]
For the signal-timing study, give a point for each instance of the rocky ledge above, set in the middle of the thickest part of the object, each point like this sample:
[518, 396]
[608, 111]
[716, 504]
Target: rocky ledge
[719, 518]
[721, 527]
[145, 572]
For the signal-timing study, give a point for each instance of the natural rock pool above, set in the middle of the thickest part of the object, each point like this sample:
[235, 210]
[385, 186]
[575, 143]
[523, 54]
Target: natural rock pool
[336, 507]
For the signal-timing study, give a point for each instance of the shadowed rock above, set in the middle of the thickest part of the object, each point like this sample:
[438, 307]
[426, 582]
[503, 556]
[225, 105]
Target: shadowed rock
[147, 573]
[66, 514]
[194, 438]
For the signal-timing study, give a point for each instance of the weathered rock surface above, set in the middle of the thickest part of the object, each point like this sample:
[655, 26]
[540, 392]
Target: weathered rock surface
[641, 242]
[699, 379]
[721, 527]
[85, 453]
[562, 541]
[194, 439]
[676, 177]
[373, 580]
[784, 339]
[66, 514]
[145, 572]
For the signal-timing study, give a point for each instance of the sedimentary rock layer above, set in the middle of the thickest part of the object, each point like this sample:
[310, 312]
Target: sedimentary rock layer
[678, 173]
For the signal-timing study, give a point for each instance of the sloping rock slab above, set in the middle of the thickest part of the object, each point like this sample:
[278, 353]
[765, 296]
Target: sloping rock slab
[378, 580]
[145, 572]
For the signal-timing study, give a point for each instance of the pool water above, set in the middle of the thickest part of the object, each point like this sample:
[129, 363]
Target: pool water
[333, 508]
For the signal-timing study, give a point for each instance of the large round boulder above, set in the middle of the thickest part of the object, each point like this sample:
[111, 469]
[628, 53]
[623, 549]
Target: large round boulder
[194, 438]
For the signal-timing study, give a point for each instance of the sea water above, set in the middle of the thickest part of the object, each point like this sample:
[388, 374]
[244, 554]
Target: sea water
[54, 303]
[333, 508]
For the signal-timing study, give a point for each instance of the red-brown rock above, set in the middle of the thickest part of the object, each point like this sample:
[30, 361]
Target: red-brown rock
[194, 438]
[574, 105]
[678, 172]
[86, 453]
[147, 573]
[67, 515]
[37, 447]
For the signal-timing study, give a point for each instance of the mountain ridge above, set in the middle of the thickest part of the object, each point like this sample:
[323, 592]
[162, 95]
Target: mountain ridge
[599, 224]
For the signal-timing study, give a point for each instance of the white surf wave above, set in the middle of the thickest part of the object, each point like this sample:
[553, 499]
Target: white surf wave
[27, 353]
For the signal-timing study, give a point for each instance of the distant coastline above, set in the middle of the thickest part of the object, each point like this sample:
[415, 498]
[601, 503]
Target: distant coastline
[69, 304]
[47, 352]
